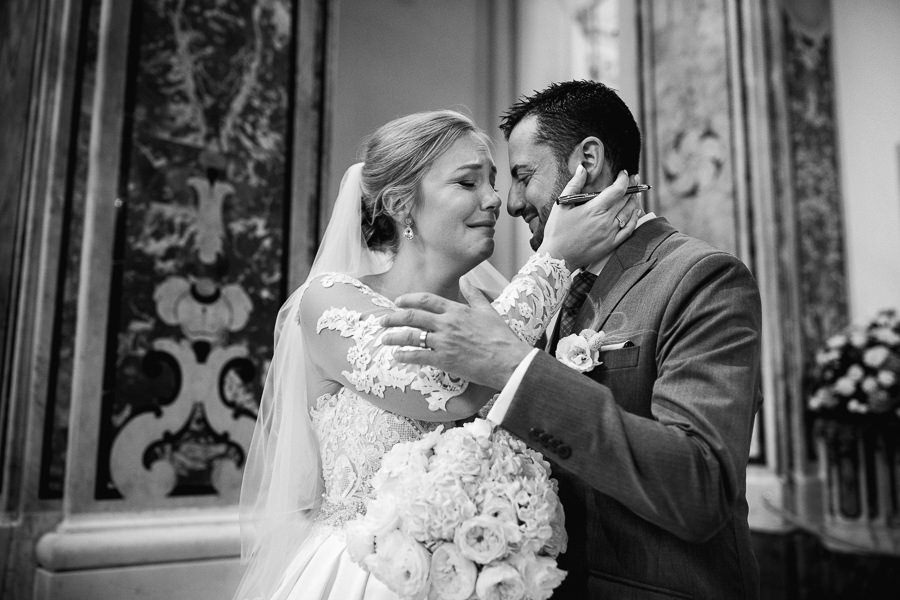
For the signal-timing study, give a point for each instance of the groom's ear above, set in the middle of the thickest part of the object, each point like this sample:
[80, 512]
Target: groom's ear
[589, 153]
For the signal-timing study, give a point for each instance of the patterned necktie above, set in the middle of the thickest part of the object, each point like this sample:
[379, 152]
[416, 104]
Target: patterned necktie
[581, 285]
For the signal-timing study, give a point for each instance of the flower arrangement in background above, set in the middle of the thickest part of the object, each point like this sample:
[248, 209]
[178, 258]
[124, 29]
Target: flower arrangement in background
[469, 512]
[858, 371]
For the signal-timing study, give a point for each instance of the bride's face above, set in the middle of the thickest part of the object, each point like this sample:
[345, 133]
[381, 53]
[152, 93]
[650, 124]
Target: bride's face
[458, 204]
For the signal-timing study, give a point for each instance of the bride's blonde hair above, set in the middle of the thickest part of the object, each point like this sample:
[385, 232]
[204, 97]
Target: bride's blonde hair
[396, 157]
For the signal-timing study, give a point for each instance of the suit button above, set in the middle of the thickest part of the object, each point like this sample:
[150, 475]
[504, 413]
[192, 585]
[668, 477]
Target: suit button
[564, 451]
[545, 439]
[535, 434]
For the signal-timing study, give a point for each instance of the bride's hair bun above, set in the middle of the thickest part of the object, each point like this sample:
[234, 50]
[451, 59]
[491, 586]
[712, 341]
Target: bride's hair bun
[397, 157]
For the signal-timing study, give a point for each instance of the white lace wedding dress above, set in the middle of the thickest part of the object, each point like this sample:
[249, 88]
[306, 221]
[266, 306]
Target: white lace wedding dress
[361, 398]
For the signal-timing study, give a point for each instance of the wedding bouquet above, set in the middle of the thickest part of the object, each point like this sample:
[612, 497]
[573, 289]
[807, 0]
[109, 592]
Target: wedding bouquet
[469, 512]
[858, 371]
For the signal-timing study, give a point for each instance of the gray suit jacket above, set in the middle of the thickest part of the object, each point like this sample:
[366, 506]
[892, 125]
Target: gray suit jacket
[651, 447]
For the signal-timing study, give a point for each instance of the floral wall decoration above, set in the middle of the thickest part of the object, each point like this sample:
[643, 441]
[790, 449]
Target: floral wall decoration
[199, 254]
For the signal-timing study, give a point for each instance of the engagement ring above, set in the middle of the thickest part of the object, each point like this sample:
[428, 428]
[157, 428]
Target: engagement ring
[422, 339]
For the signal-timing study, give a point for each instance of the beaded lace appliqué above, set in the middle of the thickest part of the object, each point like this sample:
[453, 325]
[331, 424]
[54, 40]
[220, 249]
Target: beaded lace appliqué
[353, 433]
[353, 436]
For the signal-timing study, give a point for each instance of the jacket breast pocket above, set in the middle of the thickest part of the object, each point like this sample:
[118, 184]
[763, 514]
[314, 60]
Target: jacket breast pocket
[622, 358]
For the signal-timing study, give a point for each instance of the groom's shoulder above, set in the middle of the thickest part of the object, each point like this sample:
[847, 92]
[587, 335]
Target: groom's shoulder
[689, 251]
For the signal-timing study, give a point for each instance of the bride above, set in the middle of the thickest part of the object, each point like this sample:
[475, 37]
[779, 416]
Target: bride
[416, 215]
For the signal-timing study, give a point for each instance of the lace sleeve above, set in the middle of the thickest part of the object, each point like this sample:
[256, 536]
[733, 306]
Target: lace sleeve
[340, 317]
[533, 296]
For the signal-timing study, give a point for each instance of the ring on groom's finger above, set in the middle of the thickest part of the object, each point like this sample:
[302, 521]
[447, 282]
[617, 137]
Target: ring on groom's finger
[620, 221]
[423, 337]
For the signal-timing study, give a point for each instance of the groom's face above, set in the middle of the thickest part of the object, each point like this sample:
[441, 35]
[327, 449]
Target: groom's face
[537, 178]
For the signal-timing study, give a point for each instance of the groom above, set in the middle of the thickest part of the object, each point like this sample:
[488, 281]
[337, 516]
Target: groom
[650, 446]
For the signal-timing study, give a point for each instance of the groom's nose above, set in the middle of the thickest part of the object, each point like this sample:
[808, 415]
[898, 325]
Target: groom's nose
[515, 203]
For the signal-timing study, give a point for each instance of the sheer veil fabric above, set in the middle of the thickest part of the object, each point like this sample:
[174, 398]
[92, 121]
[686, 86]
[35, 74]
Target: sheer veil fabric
[282, 483]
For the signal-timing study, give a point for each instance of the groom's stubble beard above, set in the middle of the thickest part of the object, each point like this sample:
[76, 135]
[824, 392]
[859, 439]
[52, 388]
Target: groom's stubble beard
[562, 178]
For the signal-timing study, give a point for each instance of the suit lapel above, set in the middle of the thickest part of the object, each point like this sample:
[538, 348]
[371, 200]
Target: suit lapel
[627, 265]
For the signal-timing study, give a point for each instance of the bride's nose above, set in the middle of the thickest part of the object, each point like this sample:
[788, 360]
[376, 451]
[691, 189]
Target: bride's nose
[492, 201]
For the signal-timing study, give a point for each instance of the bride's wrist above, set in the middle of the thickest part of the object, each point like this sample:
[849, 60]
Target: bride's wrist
[555, 250]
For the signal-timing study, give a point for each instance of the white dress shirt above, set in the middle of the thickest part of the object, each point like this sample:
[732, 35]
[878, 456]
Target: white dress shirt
[498, 411]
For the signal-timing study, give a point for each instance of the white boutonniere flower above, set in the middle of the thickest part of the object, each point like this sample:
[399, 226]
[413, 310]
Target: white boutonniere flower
[581, 351]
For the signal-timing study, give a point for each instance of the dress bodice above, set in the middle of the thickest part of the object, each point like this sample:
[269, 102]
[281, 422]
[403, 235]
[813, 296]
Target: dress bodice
[353, 435]
[366, 401]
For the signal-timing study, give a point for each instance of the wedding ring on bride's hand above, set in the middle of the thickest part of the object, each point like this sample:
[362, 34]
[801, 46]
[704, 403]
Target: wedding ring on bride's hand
[423, 337]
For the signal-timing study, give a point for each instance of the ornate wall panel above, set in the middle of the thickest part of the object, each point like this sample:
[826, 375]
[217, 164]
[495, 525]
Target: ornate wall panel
[689, 133]
[814, 176]
[199, 259]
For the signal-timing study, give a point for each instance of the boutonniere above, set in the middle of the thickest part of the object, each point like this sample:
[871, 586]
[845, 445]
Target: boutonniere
[581, 351]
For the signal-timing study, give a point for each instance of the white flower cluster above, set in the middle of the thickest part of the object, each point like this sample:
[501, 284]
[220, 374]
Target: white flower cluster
[465, 513]
[858, 372]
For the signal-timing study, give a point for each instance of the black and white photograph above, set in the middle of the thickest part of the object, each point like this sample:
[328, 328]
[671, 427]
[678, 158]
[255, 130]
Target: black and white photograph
[449, 299]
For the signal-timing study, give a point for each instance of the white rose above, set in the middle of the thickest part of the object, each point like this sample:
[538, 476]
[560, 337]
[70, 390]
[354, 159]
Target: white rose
[360, 541]
[869, 385]
[845, 386]
[479, 428]
[855, 372]
[826, 398]
[559, 539]
[500, 582]
[836, 341]
[482, 539]
[499, 506]
[382, 516]
[575, 352]
[855, 406]
[859, 339]
[887, 336]
[401, 563]
[452, 574]
[540, 575]
[875, 356]
[887, 378]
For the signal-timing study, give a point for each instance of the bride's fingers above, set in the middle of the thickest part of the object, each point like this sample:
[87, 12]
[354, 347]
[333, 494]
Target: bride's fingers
[630, 224]
[575, 184]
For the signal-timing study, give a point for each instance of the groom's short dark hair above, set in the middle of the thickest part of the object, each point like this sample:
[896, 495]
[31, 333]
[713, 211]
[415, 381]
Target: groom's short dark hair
[570, 111]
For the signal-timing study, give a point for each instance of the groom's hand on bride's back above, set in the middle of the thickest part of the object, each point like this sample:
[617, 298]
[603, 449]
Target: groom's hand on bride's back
[470, 341]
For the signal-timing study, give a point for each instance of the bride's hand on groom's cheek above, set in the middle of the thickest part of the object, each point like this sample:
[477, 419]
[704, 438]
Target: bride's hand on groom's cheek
[584, 234]
[471, 341]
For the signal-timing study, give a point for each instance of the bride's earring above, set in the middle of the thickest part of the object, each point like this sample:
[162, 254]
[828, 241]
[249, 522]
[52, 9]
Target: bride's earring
[408, 232]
